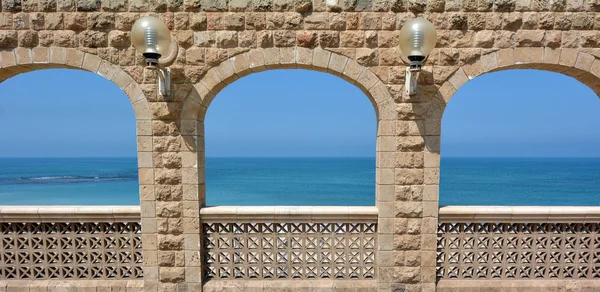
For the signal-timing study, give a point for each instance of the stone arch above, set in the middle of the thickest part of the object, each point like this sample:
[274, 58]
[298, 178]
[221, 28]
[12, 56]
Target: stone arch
[23, 60]
[579, 64]
[576, 63]
[201, 95]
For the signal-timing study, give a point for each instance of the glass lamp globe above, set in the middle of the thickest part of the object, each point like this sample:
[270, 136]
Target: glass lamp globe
[417, 39]
[151, 37]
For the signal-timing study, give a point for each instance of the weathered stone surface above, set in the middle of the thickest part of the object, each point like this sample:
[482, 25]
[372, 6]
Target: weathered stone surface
[307, 39]
[407, 242]
[114, 5]
[100, 21]
[170, 242]
[408, 209]
[303, 6]
[88, 5]
[173, 275]
[9, 39]
[93, 39]
[117, 38]
[11, 5]
[28, 38]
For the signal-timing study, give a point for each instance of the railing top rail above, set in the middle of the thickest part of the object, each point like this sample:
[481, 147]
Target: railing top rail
[69, 213]
[291, 213]
[520, 214]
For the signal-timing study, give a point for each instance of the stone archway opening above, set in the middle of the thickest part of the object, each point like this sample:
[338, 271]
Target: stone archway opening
[70, 134]
[290, 137]
[202, 95]
[522, 137]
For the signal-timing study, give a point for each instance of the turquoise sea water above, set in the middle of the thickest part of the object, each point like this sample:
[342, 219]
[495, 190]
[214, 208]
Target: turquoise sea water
[304, 181]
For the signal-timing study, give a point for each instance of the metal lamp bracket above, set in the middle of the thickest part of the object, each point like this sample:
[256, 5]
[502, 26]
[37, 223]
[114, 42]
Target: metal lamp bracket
[164, 79]
[161, 67]
[412, 74]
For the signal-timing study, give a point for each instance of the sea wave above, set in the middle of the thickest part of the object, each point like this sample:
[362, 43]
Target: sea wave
[64, 179]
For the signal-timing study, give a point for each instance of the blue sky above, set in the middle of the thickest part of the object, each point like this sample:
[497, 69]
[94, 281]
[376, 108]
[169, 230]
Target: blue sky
[70, 113]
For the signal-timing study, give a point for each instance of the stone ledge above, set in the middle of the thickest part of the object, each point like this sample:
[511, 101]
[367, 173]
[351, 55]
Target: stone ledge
[288, 214]
[72, 285]
[546, 285]
[289, 285]
[519, 214]
[26, 214]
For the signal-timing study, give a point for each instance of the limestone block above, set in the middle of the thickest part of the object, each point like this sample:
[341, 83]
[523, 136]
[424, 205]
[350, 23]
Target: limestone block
[407, 242]
[317, 20]
[9, 39]
[430, 193]
[584, 61]
[408, 176]
[28, 38]
[247, 39]
[406, 209]
[284, 38]
[226, 39]
[489, 62]
[551, 55]
[568, 57]
[409, 159]
[170, 274]
[75, 59]
[308, 39]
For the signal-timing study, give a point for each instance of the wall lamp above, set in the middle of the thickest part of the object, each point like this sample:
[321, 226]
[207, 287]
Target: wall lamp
[417, 40]
[151, 37]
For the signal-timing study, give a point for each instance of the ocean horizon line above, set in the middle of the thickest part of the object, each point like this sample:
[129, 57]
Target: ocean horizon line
[135, 157]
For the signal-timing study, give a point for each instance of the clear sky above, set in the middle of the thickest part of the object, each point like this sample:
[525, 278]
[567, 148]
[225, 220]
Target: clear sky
[70, 113]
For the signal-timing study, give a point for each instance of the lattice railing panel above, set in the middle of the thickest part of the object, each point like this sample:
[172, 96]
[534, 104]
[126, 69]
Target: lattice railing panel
[70, 251]
[518, 251]
[289, 250]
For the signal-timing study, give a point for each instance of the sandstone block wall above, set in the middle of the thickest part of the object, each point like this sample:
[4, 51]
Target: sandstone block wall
[223, 40]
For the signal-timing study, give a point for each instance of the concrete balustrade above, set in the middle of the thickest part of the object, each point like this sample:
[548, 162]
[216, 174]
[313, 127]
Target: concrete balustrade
[23, 214]
[520, 214]
[289, 213]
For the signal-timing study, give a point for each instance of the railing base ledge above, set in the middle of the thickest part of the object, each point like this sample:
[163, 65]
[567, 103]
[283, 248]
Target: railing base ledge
[534, 285]
[270, 285]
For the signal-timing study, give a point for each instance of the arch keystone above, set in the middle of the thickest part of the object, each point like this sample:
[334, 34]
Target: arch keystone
[271, 57]
[58, 55]
[304, 56]
[75, 58]
[551, 55]
[40, 55]
[287, 58]
[505, 57]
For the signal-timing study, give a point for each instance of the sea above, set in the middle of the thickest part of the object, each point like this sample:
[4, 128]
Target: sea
[304, 181]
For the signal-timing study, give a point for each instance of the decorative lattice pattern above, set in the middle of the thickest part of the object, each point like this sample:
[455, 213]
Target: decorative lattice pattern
[518, 251]
[70, 251]
[289, 250]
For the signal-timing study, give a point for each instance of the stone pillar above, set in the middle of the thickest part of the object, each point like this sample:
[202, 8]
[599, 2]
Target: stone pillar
[407, 177]
[169, 196]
